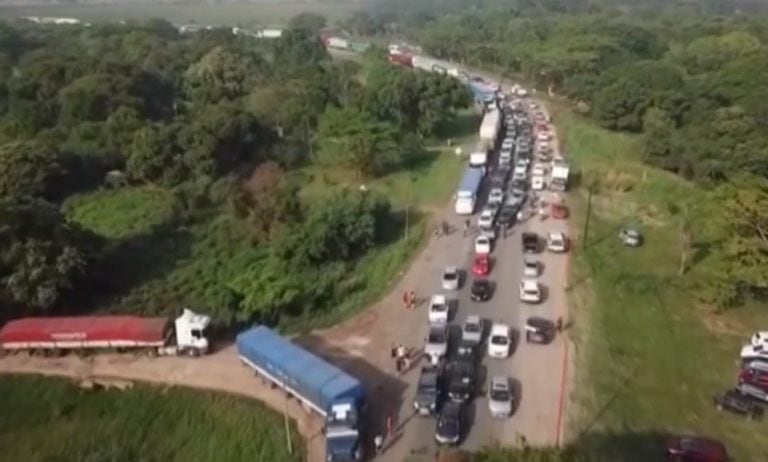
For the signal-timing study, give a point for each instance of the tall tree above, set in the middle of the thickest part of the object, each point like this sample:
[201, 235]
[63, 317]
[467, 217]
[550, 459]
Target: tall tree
[43, 255]
[354, 139]
[28, 169]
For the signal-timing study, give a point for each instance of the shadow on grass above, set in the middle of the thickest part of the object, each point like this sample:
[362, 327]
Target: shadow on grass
[463, 124]
[131, 262]
[597, 446]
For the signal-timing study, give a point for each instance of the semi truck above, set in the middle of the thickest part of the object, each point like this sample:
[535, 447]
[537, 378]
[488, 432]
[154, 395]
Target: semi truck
[478, 158]
[560, 171]
[489, 128]
[155, 335]
[466, 196]
[319, 385]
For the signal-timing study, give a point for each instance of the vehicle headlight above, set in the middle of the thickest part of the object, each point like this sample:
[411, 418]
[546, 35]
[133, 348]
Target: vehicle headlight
[415, 405]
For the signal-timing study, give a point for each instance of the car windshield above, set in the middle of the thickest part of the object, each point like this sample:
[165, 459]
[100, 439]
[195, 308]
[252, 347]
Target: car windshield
[530, 264]
[439, 306]
[450, 275]
[436, 337]
[472, 327]
[479, 287]
[531, 291]
[499, 340]
[448, 425]
[500, 395]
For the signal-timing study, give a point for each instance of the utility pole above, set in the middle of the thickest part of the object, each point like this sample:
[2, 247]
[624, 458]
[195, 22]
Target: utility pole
[586, 220]
[287, 425]
[408, 198]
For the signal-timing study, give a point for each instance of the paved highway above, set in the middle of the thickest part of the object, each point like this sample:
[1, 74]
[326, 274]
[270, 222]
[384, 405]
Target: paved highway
[536, 370]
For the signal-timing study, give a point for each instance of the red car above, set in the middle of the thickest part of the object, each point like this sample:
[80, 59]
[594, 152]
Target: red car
[559, 211]
[756, 374]
[696, 449]
[482, 265]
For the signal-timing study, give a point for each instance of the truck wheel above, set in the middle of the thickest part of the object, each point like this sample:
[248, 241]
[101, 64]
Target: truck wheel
[193, 353]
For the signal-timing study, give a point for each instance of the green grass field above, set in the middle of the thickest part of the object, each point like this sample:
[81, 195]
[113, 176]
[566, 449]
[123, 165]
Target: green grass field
[52, 420]
[263, 13]
[122, 213]
[649, 357]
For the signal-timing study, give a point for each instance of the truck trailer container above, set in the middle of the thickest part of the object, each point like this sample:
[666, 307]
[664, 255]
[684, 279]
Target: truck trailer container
[185, 335]
[560, 172]
[466, 196]
[489, 128]
[319, 385]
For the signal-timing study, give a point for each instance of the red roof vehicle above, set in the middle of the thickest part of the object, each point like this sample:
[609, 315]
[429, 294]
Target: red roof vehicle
[696, 449]
[114, 331]
[559, 211]
[481, 265]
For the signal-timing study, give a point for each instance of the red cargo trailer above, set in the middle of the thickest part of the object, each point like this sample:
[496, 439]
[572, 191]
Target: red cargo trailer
[401, 59]
[160, 335]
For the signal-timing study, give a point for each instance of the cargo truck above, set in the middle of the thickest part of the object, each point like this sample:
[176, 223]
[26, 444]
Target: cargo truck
[466, 196]
[319, 385]
[489, 128]
[57, 335]
[560, 171]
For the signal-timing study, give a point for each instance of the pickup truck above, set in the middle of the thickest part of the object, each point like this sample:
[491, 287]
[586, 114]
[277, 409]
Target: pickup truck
[530, 242]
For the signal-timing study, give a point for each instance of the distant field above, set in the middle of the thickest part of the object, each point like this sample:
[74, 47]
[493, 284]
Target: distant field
[649, 357]
[52, 420]
[266, 13]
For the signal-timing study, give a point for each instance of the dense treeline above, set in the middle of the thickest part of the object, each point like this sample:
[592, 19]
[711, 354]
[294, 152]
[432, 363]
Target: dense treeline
[691, 85]
[219, 120]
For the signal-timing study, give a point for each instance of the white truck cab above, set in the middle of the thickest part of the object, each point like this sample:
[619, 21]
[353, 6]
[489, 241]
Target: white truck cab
[759, 338]
[190, 333]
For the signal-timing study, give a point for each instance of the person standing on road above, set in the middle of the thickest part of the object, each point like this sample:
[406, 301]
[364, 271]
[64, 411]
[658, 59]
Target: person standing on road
[378, 444]
[466, 227]
[405, 299]
[411, 299]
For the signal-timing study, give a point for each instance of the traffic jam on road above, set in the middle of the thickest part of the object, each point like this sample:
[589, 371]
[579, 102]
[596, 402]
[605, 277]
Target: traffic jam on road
[510, 171]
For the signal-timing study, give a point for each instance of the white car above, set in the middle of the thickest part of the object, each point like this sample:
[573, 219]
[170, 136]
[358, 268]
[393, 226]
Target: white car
[539, 170]
[500, 398]
[537, 183]
[496, 196]
[530, 292]
[557, 242]
[472, 329]
[451, 278]
[505, 157]
[519, 175]
[487, 216]
[482, 245]
[499, 341]
[438, 309]
[531, 268]
[543, 136]
[436, 346]
[543, 146]
[508, 143]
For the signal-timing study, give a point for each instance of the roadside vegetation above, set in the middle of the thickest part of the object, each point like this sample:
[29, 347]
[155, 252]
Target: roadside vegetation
[47, 420]
[221, 172]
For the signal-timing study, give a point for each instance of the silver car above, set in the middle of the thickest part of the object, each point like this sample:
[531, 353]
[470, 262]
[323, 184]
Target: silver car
[500, 398]
[531, 268]
[451, 278]
[437, 343]
[472, 329]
